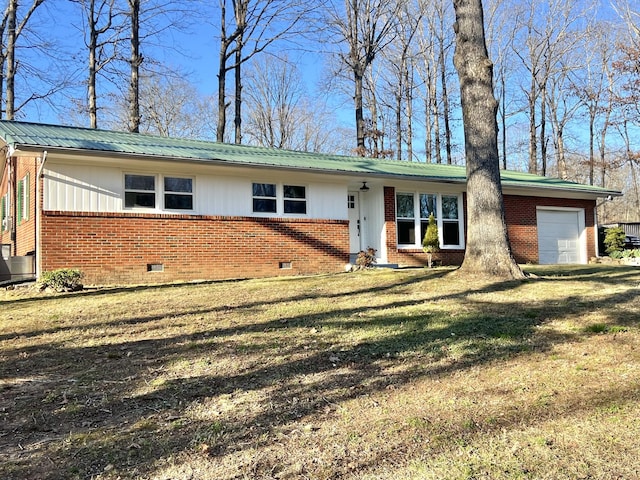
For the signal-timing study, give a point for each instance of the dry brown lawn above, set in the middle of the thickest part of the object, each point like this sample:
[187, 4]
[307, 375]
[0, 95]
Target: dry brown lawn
[405, 374]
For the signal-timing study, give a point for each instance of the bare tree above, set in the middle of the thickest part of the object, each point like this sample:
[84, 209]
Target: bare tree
[280, 113]
[170, 106]
[398, 60]
[366, 27]
[11, 28]
[99, 17]
[256, 25]
[135, 60]
[488, 251]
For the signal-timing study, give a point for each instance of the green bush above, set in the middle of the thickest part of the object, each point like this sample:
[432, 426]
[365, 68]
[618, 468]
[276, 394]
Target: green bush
[614, 239]
[431, 242]
[62, 280]
[616, 255]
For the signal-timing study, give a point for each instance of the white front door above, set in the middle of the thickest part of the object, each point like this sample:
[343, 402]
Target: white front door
[355, 234]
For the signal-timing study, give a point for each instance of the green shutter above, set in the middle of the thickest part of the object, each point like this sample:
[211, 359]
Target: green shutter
[27, 197]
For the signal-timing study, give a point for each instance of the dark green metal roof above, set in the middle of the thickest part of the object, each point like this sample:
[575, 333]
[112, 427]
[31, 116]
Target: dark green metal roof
[21, 135]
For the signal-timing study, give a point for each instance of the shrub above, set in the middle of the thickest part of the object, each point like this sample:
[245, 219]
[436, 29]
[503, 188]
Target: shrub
[614, 239]
[366, 258]
[616, 254]
[62, 280]
[431, 242]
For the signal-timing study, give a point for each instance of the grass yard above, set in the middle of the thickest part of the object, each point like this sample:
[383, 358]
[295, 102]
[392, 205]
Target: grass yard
[405, 374]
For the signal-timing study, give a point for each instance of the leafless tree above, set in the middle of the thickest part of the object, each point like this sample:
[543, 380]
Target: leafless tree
[488, 251]
[280, 113]
[546, 30]
[170, 106]
[365, 28]
[101, 40]
[11, 28]
[251, 28]
[398, 61]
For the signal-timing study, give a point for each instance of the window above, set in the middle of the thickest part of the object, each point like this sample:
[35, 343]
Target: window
[23, 199]
[405, 213]
[412, 215]
[264, 197]
[4, 213]
[428, 204]
[351, 201]
[450, 223]
[295, 200]
[139, 191]
[178, 193]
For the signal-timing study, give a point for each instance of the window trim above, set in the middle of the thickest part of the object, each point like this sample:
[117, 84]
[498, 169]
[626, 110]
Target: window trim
[439, 219]
[166, 192]
[280, 199]
[294, 200]
[159, 193]
[273, 198]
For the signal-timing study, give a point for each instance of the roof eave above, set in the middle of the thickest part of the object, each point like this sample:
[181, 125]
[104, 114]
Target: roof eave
[27, 149]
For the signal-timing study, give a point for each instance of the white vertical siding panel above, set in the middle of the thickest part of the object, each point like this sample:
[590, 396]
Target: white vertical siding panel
[82, 189]
[327, 201]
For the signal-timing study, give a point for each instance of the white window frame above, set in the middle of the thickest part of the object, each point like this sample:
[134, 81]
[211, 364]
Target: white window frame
[269, 198]
[159, 193]
[417, 244]
[280, 199]
[166, 192]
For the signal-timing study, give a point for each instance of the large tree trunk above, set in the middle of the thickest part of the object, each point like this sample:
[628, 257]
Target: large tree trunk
[488, 252]
[237, 120]
[445, 104]
[533, 140]
[11, 61]
[93, 47]
[135, 62]
[359, 110]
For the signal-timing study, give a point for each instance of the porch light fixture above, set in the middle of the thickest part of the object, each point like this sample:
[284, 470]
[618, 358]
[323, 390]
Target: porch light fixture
[364, 187]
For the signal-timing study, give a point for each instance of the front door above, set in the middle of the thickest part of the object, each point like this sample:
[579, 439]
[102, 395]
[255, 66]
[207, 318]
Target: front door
[353, 206]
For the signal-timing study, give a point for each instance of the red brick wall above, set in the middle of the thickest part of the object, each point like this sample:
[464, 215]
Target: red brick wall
[520, 213]
[25, 230]
[116, 248]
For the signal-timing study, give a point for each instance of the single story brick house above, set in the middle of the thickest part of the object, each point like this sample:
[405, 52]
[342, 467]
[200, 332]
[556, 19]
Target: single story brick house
[130, 208]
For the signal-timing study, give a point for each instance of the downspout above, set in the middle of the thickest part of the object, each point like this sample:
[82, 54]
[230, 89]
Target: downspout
[12, 200]
[38, 215]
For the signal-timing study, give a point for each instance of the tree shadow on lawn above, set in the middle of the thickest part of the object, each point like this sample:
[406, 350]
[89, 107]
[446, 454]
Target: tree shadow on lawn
[246, 306]
[108, 422]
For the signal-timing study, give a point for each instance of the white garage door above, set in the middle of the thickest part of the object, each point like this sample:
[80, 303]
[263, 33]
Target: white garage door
[559, 236]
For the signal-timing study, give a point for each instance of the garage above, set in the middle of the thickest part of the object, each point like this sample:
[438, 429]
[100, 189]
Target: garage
[560, 236]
